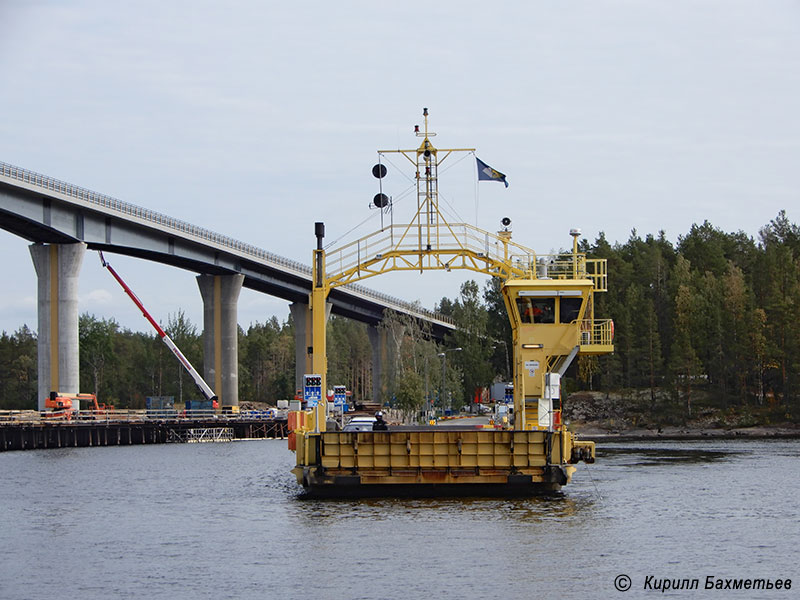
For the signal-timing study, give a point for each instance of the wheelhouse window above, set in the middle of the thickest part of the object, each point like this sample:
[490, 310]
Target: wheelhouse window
[537, 310]
[570, 309]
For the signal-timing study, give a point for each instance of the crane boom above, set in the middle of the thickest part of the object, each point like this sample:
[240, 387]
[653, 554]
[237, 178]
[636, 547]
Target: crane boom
[208, 393]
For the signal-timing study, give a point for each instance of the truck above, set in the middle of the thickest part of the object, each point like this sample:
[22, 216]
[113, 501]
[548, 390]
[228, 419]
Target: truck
[502, 392]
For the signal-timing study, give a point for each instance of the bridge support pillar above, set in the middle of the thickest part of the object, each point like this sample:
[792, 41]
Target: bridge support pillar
[57, 269]
[301, 317]
[221, 335]
[377, 339]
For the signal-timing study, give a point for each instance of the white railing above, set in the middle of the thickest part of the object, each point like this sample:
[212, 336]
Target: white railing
[443, 238]
[460, 238]
[109, 203]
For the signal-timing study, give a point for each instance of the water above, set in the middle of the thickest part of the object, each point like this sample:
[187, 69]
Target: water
[224, 521]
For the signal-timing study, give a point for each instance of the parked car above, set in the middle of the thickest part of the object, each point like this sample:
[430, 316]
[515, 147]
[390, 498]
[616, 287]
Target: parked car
[359, 424]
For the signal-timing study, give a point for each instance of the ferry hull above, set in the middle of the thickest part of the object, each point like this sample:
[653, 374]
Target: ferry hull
[318, 483]
[431, 462]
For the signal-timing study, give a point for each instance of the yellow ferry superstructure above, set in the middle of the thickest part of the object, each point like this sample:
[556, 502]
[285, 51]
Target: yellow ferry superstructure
[550, 304]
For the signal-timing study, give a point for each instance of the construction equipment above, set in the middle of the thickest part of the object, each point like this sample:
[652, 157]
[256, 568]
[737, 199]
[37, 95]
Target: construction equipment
[64, 406]
[58, 407]
[204, 388]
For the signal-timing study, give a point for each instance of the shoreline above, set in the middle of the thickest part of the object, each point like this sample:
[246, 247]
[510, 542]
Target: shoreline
[598, 433]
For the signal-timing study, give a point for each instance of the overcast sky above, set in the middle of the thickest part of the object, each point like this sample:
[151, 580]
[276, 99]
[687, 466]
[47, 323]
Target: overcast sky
[256, 118]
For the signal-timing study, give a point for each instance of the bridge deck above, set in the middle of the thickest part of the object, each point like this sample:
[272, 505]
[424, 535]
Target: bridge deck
[46, 210]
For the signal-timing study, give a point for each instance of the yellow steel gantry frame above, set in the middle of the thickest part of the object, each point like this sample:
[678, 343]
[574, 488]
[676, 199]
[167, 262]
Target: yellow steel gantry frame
[429, 242]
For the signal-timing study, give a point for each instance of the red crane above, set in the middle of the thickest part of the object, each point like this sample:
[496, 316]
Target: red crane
[208, 393]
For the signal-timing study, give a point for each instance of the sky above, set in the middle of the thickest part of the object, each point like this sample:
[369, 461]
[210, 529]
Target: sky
[255, 119]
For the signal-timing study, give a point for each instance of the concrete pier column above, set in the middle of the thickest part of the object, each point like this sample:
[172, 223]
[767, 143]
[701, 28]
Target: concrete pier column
[57, 269]
[377, 338]
[301, 317]
[221, 335]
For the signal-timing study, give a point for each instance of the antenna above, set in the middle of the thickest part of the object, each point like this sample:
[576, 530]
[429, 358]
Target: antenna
[427, 158]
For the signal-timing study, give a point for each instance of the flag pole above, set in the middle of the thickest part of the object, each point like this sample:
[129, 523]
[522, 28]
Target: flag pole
[477, 194]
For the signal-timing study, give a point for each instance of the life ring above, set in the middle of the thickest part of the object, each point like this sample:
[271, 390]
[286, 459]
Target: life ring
[612, 331]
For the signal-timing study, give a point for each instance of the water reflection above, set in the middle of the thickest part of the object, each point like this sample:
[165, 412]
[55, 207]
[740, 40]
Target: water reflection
[536, 509]
[661, 456]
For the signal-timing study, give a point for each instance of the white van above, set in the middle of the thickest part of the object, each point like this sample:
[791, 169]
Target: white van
[359, 424]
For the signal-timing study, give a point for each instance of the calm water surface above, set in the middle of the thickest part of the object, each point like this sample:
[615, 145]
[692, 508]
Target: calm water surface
[224, 521]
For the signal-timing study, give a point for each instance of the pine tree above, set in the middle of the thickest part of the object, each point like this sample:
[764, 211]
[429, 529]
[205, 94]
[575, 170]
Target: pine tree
[96, 338]
[472, 336]
[684, 363]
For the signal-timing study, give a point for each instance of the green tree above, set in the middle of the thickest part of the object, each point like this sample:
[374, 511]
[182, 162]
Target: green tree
[705, 248]
[758, 346]
[138, 370]
[684, 363]
[18, 366]
[777, 279]
[498, 328]
[410, 355]
[96, 338]
[410, 392]
[260, 360]
[472, 336]
[612, 305]
[588, 368]
[741, 355]
[708, 330]
[349, 356]
[184, 334]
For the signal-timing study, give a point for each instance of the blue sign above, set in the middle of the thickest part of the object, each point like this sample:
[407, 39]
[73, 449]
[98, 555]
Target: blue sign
[312, 390]
[339, 395]
[509, 395]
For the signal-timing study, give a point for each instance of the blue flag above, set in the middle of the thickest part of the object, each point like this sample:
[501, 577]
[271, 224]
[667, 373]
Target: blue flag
[487, 173]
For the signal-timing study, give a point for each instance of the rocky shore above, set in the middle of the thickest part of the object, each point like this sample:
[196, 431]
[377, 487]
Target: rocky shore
[612, 417]
[599, 434]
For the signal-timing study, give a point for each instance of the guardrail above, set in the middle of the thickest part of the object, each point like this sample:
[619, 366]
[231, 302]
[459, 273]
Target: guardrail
[133, 416]
[597, 332]
[131, 210]
[450, 237]
[453, 238]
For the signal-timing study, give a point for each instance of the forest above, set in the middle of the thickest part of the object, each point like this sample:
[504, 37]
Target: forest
[713, 318]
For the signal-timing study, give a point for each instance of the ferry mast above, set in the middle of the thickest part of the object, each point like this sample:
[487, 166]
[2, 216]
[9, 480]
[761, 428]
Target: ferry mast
[426, 159]
[561, 285]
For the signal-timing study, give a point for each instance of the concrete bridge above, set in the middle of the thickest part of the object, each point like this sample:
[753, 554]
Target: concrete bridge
[63, 220]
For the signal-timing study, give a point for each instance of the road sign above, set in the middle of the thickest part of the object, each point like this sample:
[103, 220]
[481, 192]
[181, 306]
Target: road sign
[312, 390]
